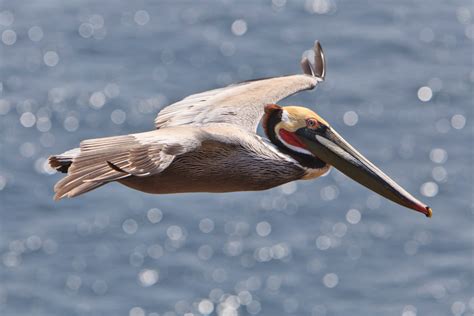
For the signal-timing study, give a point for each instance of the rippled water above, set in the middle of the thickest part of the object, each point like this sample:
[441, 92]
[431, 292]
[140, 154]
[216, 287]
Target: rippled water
[399, 88]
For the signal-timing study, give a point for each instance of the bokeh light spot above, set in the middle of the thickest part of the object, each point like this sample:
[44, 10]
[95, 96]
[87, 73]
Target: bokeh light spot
[206, 225]
[51, 58]
[239, 27]
[130, 226]
[429, 189]
[263, 229]
[350, 118]
[353, 216]
[136, 311]
[458, 308]
[118, 117]
[141, 17]
[148, 277]
[205, 307]
[438, 155]
[409, 310]
[35, 33]
[323, 242]
[97, 99]
[86, 30]
[458, 121]
[439, 174]
[9, 37]
[330, 280]
[27, 119]
[154, 215]
[71, 124]
[425, 94]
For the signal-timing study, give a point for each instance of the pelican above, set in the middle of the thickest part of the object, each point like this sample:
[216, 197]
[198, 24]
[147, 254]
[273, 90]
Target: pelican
[208, 142]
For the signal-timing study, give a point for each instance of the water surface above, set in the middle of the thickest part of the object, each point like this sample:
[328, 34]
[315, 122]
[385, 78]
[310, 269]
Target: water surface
[399, 88]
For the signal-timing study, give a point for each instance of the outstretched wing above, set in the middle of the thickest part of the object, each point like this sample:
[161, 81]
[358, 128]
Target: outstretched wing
[243, 103]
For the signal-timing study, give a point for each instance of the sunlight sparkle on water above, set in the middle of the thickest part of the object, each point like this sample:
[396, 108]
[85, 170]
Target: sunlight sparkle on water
[206, 225]
[130, 226]
[154, 215]
[458, 308]
[118, 116]
[35, 33]
[9, 37]
[136, 311]
[71, 124]
[27, 119]
[263, 229]
[148, 277]
[141, 17]
[439, 174]
[429, 189]
[330, 280]
[438, 155]
[97, 99]
[409, 310]
[174, 232]
[353, 216]
[425, 94]
[51, 58]
[239, 27]
[458, 121]
[350, 118]
[323, 242]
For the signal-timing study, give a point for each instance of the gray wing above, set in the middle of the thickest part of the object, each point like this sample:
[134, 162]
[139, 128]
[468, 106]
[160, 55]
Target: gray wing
[243, 103]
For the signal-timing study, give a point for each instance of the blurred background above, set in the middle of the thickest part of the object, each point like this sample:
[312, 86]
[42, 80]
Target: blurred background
[399, 87]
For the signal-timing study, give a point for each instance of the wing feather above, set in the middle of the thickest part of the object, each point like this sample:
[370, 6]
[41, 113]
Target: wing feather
[243, 103]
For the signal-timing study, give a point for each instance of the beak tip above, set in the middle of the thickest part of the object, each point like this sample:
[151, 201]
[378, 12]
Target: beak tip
[429, 212]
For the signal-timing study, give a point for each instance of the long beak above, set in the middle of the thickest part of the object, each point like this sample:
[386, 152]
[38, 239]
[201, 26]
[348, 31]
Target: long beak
[330, 147]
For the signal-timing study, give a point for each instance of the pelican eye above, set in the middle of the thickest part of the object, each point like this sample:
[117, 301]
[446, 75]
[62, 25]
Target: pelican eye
[312, 123]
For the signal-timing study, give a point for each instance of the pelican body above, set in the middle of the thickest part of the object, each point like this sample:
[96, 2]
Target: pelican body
[238, 163]
[207, 142]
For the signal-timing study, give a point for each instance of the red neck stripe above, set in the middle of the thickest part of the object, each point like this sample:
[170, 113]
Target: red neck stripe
[290, 138]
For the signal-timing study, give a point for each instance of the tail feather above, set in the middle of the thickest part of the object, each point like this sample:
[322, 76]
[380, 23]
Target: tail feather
[75, 183]
[88, 167]
[75, 189]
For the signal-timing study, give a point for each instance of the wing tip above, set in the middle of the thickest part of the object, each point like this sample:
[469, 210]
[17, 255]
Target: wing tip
[319, 61]
[318, 67]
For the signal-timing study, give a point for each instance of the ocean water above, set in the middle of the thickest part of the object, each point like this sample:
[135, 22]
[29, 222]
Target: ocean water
[399, 88]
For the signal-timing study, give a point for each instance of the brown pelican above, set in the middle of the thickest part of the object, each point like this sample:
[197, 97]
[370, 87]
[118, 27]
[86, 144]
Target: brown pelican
[207, 142]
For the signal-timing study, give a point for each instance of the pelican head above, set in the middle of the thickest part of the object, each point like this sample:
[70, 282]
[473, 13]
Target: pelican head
[309, 139]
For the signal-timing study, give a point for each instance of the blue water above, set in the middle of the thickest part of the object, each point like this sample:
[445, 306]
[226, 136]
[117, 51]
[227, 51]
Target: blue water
[72, 70]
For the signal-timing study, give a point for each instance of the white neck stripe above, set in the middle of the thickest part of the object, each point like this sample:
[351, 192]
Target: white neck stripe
[294, 148]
